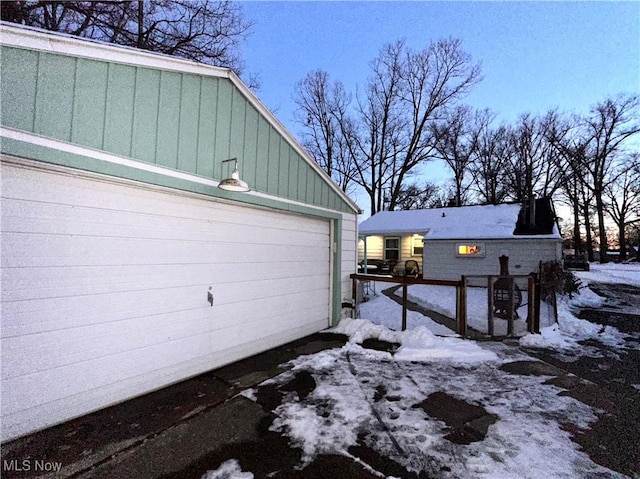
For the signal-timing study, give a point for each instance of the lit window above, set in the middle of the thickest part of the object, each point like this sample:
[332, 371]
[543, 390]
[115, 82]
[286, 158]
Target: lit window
[391, 248]
[470, 250]
[417, 246]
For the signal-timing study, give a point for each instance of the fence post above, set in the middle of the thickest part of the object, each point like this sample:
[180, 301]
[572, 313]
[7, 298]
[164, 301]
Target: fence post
[530, 304]
[404, 304]
[461, 307]
[490, 305]
[511, 308]
[538, 299]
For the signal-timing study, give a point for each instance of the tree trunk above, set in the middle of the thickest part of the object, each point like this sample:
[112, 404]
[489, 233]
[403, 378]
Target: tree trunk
[602, 232]
[587, 227]
[577, 239]
[621, 240]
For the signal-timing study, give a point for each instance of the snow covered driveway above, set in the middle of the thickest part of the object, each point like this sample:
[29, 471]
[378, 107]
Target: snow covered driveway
[371, 407]
[415, 405]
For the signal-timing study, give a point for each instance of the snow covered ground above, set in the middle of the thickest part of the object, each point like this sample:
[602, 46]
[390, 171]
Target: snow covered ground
[368, 398]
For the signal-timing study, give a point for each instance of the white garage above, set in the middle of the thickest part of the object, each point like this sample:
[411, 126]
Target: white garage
[123, 272]
[107, 286]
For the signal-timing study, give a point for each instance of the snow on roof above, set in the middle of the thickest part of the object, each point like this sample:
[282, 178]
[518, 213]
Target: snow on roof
[465, 222]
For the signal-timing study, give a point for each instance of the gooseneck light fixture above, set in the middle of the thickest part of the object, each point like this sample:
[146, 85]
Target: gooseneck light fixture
[234, 183]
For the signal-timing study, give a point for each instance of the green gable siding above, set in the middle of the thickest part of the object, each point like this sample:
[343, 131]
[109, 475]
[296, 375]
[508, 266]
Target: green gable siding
[87, 126]
[19, 72]
[189, 117]
[145, 115]
[182, 121]
[54, 96]
[118, 121]
[207, 119]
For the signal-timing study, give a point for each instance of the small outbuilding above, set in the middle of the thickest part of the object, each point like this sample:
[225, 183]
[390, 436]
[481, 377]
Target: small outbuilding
[467, 240]
[125, 268]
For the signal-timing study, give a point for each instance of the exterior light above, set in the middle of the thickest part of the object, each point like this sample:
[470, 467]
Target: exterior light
[234, 183]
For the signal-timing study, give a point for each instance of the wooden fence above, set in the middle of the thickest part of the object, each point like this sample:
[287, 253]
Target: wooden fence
[533, 298]
[405, 281]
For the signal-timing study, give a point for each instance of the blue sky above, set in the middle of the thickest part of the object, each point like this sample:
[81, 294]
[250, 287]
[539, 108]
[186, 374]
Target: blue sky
[534, 55]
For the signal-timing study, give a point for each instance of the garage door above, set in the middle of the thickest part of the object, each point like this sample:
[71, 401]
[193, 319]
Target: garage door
[110, 289]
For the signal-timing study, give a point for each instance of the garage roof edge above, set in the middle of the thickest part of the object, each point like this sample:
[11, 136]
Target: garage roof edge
[20, 36]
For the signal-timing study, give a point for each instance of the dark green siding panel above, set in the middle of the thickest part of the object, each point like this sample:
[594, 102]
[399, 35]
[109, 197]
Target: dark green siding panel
[223, 122]
[118, 121]
[283, 169]
[168, 119]
[264, 130]
[207, 129]
[19, 72]
[145, 115]
[236, 141]
[325, 194]
[89, 104]
[250, 156]
[302, 181]
[294, 165]
[54, 96]
[189, 115]
[274, 162]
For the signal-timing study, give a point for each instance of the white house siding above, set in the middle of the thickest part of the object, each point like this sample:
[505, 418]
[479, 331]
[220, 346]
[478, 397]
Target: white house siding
[375, 249]
[349, 253]
[104, 289]
[440, 260]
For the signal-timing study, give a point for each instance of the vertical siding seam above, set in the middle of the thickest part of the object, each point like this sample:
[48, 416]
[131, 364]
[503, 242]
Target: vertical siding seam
[232, 97]
[179, 120]
[255, 176]
[244, 138]
[133, 109]
[73, 97]
[35, 93]
[35, 99]
[155, 149]
[215, 131]
[199, 122]
[106, 106]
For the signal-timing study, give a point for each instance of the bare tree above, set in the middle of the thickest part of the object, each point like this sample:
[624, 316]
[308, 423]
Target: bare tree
[204, 31]
[387, 130]
[455, 144]
[322, 109]
[533, 169]
[603, 134]
[490, 160]
[623, 198]
[416, 197]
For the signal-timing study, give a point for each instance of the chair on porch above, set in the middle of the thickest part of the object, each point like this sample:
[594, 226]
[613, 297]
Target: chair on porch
[388, 266]
[411, 268]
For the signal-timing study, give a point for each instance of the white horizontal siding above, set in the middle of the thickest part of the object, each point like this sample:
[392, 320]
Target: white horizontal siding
[104, 290]
[440, 261]
[375, 249]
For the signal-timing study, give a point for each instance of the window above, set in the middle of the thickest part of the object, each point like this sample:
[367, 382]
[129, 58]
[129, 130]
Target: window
[392, 248]
[472, 250]
[417, 246]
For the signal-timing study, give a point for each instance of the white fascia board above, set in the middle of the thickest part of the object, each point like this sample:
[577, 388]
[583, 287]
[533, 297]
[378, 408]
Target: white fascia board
[128, 162]
[63, 44]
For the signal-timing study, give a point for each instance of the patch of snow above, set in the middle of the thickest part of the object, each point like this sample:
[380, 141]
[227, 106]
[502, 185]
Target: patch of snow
[382, 311]
[369, 398]
[569, 330]
[477, 222]
[228, 470]
[623, 273]
[417, 344]
[421, 345]
[442, 299]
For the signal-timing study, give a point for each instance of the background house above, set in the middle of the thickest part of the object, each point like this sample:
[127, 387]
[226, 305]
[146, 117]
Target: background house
[124, 267]
[450, 242]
